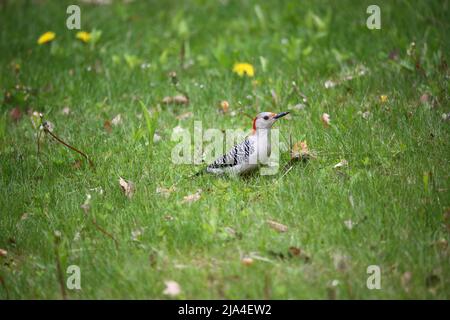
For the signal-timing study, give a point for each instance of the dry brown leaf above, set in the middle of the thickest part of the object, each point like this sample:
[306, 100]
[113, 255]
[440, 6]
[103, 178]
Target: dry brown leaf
[77, 164]
[299, 253]
[167, 100]
[294, 251]
[326, 119]
[107, 126]
[185, 115]
[247, 261]
[225, 106]
[24, 216]
[192, 197]
[172, 289]
[300, 151]
[180, 99]
[15, 114]
[3, 253]
[127, 187]
[277, 226]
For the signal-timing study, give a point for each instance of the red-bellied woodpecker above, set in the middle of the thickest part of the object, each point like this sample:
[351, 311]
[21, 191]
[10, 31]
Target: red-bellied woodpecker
[251, 152]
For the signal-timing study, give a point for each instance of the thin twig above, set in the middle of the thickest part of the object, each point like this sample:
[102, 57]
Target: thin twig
[106, 233]
[68, 146]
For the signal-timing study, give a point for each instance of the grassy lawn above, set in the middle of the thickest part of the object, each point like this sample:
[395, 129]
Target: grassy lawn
[385, 96]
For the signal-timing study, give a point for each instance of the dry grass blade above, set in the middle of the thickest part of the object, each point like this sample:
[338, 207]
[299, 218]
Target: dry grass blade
[277, 226]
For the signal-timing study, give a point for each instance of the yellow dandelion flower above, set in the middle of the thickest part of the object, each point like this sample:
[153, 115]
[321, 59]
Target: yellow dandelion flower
[244, 69]
[46, 37]
[383, 98]
[84, 36]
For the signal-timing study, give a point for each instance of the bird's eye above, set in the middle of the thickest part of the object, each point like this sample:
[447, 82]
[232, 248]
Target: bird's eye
[266, 117]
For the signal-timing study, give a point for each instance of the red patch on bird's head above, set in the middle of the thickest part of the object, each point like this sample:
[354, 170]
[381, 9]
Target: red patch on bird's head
[254, 124]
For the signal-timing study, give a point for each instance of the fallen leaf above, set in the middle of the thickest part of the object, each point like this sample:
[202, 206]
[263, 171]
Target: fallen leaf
[165, 191]
[116, 120]
[86, 206]
[77, 164]
[180, 99]
[341, 164]
[192, 197]
[184, 115]
[168, 217]
[24, 216]
[107, 126]
[15, 114]
[277, 226]
[172, 289]
[326, 119]
[3, 253]
[66, 111]
[167, 100]
[349, 224]
[225, 106]
[247, 261]
[127, 187]
[329, 84]
[294, 251]
[300, 151]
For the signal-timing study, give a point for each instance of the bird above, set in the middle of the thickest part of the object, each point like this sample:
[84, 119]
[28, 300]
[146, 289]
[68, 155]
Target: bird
[250, 153]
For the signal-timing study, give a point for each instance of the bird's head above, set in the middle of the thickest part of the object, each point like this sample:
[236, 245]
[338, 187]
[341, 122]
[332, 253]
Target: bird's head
[265, 120]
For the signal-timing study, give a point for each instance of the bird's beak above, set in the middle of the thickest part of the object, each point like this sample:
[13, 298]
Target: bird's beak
[279, 115]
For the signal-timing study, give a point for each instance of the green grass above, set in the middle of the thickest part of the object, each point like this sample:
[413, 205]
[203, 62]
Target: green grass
[395, 188]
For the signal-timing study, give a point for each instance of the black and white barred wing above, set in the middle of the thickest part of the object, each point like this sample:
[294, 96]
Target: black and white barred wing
[239, 154]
